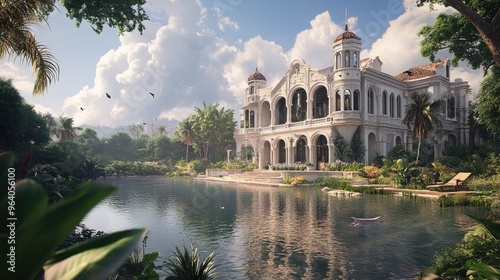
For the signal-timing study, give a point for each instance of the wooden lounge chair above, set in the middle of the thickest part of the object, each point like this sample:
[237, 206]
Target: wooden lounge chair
[455, 183]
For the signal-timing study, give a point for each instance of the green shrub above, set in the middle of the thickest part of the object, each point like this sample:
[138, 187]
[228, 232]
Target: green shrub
[371, 171]
[332, 182]
[445, 201]
[294, 180]
[461, 199]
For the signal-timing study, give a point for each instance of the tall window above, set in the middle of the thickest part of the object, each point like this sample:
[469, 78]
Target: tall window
[398, 106]
[355, 59]
[337, 101]
[301, 150]
[281, 152]
[450, 107]
[251, 89]
[338, 61]
[384, 103]
[347, 100]
[391, 105]
[347, 59]
[370, 101]
[356, 100]
[252, 119]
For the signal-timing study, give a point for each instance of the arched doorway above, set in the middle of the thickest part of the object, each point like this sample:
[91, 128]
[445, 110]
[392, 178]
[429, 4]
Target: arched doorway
[265, 115]
[372, 147]
[281, 152]
[266, 155]
[321, 152]
[300, 154]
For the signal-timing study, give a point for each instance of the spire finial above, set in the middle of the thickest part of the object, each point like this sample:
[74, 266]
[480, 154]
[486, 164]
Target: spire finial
[346, 18]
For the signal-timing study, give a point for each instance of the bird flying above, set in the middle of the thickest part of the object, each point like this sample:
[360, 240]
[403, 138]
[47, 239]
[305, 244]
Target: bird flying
[108, 95]
[81, 108]
[152, 94]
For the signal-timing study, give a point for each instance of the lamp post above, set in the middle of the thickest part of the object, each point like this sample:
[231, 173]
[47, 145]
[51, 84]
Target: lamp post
[228, 153]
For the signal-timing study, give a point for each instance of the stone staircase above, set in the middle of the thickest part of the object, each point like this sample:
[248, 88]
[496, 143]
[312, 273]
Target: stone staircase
[257, 176]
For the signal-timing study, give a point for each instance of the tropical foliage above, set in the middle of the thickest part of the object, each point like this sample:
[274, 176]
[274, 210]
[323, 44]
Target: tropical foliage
[17, 38]
[475, 257]
[36, 257]
[188, 265]
[488, 101]
[213, 131]
[421, 116]
[471, 34]
[66, 132]
[22, 129]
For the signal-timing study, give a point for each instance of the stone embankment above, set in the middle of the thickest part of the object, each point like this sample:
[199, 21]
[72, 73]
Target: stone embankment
[275, 179]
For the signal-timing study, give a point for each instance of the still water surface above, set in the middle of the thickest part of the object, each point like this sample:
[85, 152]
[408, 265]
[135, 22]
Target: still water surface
[283, 233]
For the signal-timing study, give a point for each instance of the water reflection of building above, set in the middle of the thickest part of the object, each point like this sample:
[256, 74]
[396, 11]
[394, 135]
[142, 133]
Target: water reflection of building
[298, 118]
[296, 239]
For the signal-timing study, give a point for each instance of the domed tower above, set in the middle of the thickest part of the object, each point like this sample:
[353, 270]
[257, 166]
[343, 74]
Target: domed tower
[346, 85]
[256, 81]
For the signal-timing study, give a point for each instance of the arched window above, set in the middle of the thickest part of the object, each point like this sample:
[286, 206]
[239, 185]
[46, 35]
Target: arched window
[355, 59]
[300, 154]
[450, 107]
[391, 105]
[281, 152]
[338, 61]
[337, 101]
[252, 119]
[347, 59]
[384, 103]
[347, 100]
[356, 100]
[247, 121]
[370, 101]
[398, 106]
[251, 89]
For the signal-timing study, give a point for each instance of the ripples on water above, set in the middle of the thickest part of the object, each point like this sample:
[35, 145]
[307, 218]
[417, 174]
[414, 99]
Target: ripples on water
[283, 233]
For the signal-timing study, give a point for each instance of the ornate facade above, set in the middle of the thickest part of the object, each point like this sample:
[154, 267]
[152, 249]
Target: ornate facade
[297, 119]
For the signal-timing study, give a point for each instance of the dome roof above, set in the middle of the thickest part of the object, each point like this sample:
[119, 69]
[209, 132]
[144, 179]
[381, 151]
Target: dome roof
[346, 35]
[256, 76]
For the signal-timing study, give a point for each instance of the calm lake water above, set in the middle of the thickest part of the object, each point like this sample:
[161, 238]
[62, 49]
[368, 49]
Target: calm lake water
[283, 233]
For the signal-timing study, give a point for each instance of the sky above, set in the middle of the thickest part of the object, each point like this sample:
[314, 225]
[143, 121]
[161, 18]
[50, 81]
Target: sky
[196, 51]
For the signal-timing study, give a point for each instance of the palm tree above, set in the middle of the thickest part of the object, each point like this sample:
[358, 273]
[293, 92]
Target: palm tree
[421, 115]
[66, 132]
[186, 131]
[16, 39]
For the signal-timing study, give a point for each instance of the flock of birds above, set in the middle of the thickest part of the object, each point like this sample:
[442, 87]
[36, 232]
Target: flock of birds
[109, 96]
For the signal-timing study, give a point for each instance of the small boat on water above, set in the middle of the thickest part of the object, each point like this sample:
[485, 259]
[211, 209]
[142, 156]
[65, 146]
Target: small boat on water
[366, 220]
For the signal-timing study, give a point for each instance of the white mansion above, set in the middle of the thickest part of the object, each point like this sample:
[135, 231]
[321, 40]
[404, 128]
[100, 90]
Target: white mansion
[297, 119]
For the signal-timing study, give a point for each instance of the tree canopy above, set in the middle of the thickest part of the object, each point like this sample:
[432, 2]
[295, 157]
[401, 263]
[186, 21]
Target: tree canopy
[488, 101]
[472, 34]
[124, 15]
[210, 130]
[22, 128]
[18, 40]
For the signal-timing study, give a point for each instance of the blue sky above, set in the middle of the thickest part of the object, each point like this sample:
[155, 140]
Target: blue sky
[195, 51]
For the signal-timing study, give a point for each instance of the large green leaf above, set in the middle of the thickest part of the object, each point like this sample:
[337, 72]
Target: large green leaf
[96, 258]
[39, 235]
[482, 271]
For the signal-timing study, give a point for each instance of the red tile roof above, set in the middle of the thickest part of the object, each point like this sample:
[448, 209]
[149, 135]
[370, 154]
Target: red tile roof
[419, 72]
